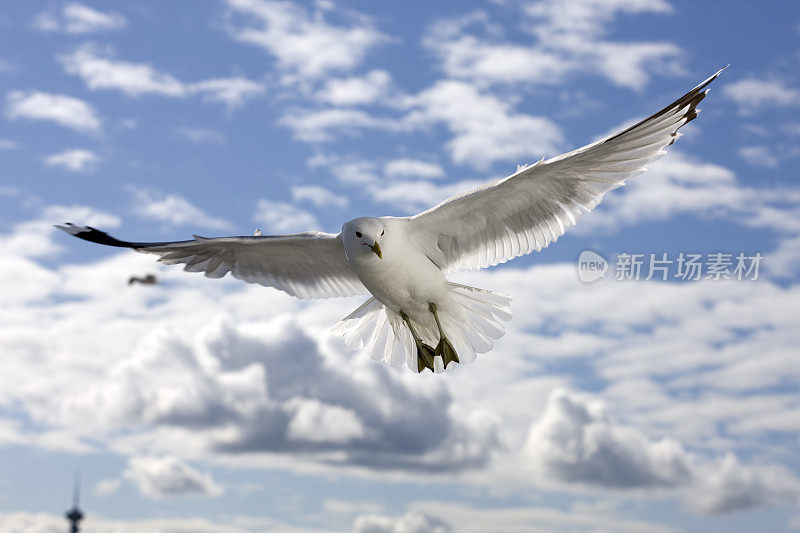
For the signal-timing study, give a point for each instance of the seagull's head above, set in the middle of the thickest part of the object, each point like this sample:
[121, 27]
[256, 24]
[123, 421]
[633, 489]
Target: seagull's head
[363, 237]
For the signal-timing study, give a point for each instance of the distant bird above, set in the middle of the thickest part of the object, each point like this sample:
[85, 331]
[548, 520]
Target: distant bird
[149, 279]
[415, 315]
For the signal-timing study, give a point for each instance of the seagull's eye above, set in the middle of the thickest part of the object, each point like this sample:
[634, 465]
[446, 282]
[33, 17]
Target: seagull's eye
[358, 234]
[384, 231]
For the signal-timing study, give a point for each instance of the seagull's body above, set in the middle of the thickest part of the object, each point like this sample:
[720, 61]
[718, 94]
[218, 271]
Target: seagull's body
[415, 315]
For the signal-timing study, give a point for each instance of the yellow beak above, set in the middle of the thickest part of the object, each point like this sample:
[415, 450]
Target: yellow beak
[377, 249]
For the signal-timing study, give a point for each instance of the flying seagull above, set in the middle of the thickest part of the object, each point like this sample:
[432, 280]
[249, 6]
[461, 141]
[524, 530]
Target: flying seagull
[415, 315]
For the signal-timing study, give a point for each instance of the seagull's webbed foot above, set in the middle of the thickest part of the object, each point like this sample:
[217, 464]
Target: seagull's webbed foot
[445, 348]
[425, 353]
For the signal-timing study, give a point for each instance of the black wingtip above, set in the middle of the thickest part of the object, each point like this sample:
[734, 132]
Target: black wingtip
[88, 233]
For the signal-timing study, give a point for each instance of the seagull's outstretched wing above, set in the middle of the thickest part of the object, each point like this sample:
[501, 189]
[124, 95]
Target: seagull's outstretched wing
[533, 207]
[306, 265]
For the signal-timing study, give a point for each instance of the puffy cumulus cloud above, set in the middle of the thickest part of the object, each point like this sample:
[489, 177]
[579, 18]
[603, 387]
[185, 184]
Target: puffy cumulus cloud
[283, 217]
[729, 486]
[752, 95]
[77, 18]
[484, 128]
[569, 38]
[73, 160]
[357, 90]
[302, 41]
[99, 70]
[167, 476]
[240, 387]
[171, 209]
[318, 196]
[575, 442]
[411, 522]
[61, 109]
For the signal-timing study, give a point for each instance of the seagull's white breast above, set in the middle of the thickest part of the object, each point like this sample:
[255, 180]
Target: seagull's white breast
[405, 278]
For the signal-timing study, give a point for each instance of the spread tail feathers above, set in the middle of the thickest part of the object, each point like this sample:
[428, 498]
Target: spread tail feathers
[382, 333]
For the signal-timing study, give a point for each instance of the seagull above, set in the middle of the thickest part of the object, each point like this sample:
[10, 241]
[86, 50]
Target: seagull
[415, 315]
[149, 279]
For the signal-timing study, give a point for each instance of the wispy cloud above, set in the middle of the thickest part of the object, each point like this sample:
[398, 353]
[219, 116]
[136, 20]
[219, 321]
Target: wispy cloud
[58, 108]
[78, 160]
[318, 196]
[172, 209]
[570, 37]
[8, 144]
[77, 18]
[100, 71]
[755, 94]
[283, 217]
[412, 168]
[202, 135]
[357, 90]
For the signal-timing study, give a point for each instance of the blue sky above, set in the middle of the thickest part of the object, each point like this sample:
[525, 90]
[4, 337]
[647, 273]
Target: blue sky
[212, 405]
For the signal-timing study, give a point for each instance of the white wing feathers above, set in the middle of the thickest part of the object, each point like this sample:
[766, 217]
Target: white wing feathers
[306, 265]
[533, 207]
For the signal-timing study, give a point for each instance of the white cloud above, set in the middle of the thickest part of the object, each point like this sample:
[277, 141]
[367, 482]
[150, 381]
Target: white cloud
[319, 126]
[485, 129]
[202, 135]
[450, 516]
[680, 185]
[35, 238]
[172, 209]
[233, 92]
[728, 486]
[73, 160]
[167, 476]
[77, 18]
[133, 79]
[413, 196]
[412, 168]
[575, 442]
[281, 217]
[100, 71]
[753, 94]
[8, 144]
[107, 487]
[367, 89]
[318, 196]
[759, 156]
[304, 42]
[313, 421]
[58, 108]
[569, 38]
[411, 522]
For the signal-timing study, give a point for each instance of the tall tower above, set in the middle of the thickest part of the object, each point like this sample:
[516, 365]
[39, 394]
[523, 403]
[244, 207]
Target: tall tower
[75, 515]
